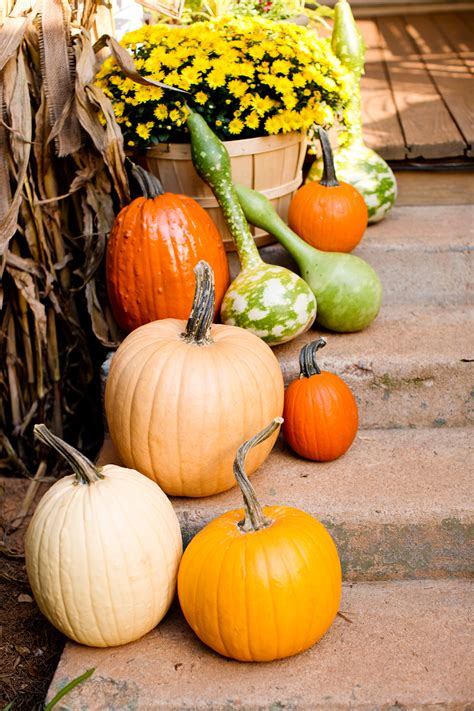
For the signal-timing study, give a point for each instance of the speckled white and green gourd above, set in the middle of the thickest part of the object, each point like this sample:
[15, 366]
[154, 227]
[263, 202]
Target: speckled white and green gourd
[355, 162]
[270, 301]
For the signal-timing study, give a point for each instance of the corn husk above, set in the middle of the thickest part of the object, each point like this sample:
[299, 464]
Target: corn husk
[62, 180]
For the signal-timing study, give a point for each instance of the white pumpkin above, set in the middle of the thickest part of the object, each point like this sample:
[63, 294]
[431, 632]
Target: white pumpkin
[102, 551]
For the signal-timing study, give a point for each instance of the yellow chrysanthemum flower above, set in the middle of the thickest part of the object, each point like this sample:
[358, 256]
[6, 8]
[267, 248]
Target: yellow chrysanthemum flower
[216, 79]
[261, 104]
[236, 126]
[253, 71]
[144, 130]
[118, 109]
[281, 66]
[252, 120]
[289, 101]
[273, 125]
[201, 64]
[256, 52]
[237, 88]
[246, 101]
[201, 97]
[160, 112]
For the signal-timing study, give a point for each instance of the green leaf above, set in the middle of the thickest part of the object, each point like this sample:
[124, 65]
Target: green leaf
[66, 689]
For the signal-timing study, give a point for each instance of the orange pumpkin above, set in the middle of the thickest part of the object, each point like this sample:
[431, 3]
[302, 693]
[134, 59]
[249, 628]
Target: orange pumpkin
[329, 215]
[260, 584]
[320, 411]
[180, 397]
[152, 249]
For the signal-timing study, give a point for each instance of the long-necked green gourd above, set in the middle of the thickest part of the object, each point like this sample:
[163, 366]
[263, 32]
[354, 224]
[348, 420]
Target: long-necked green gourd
[271, 301]
[347, 289]
[355, 162]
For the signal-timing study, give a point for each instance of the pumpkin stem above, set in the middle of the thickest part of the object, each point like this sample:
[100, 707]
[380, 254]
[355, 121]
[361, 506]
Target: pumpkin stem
[308, 364]
[254, 517]
[198, 327]
[329, 179]
[85, 471]
[149, 184]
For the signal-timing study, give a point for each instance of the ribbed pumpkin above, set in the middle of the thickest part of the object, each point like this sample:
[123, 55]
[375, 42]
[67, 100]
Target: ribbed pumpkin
[152, 249]
[329, 215]
[102, 551]
[260, 584]
[180, 397]
[321, 417]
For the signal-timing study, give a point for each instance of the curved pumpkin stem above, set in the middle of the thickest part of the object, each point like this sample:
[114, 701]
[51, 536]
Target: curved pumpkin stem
[149, 184]
[85, 471]
[198, 327]
[329, 179]
[308, 364]
[254, 518]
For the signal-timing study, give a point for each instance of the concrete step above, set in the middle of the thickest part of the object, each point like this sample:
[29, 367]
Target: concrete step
[423, 255]
[408, 645]
[413, 367]
[398, 504]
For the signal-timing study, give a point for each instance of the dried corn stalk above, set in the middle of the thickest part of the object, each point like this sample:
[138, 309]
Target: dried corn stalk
[62, 179]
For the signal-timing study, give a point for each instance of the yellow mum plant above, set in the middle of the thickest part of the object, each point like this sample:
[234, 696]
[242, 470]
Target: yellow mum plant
[247, 76]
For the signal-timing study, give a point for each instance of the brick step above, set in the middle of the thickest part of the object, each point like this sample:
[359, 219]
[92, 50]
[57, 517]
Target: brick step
[397, 503]
[413, 367]
[423, 255]
[407, 646]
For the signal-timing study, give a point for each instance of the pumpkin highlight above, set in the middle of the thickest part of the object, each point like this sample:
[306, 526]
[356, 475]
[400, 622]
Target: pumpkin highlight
[320, 412]
[102, 551]
[180, 397]
[260, 584]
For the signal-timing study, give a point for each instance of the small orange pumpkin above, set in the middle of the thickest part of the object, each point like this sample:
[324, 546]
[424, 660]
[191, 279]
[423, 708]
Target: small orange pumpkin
[329, 215]
[151, 252]
[260, 584]
[320, 411]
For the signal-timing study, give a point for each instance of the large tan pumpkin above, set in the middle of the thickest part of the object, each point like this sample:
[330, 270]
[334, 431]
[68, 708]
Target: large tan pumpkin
[181, 397]
[102, 551]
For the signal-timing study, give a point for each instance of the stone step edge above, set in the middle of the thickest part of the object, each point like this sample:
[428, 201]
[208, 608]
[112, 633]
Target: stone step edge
[399, 646]
[415, 540]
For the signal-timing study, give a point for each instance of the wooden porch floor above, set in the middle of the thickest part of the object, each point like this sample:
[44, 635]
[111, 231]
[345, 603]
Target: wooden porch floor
[418, 89]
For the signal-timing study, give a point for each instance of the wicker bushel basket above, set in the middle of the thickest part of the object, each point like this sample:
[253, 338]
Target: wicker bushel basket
[271, 164]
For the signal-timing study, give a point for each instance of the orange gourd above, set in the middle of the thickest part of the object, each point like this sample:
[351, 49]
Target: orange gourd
[152, 249]
[181, 397]
[260, 584]
[329, 215]
[320, 411]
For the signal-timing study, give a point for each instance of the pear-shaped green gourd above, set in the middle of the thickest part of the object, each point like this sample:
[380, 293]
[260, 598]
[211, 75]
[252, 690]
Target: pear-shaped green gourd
[348, 290]
[355, 162]
[271, 301]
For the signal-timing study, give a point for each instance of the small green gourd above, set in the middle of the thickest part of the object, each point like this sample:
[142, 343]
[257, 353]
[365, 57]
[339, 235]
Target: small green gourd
[355, 162]
[347, 289]
[271, 301]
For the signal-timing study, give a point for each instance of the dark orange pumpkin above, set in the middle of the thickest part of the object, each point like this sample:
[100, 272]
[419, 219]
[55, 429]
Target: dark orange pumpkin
[329, 215]
[153, 248]
[320, 411]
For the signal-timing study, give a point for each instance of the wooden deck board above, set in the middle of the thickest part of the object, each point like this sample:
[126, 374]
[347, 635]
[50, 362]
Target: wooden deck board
[382, 127]
[449, 73]
[460, 35]
[418, 91]
[427, 125]
[468, 18]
